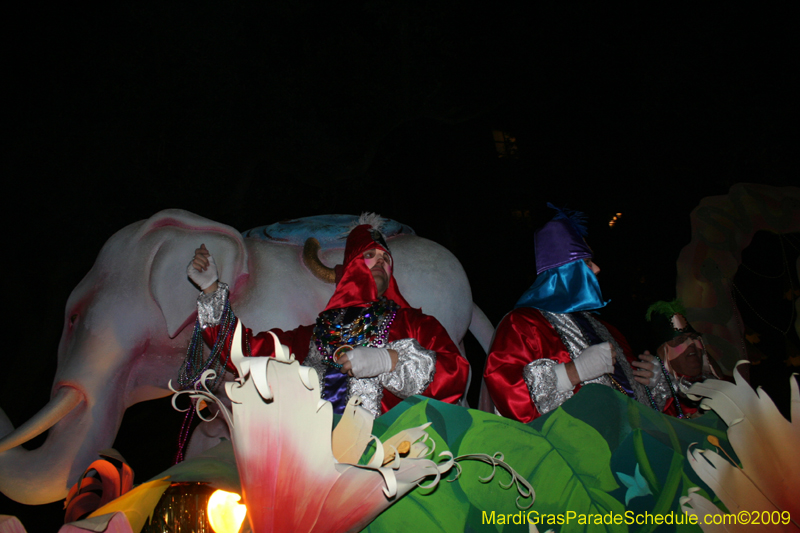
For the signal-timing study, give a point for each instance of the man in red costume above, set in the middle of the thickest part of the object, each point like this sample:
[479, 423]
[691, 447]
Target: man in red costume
[368, 342]
[550, 345]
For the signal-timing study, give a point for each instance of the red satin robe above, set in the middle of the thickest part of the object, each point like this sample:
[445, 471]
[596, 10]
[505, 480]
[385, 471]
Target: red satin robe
[524, 335]
[452, 370]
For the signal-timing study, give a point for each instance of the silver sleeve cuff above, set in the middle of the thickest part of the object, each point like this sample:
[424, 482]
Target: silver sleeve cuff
[414, 370]
[210, 306]
[682, 385]
[661, 391]
[540, 376]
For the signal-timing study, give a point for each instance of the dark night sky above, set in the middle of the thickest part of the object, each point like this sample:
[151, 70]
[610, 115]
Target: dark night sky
[253, 113]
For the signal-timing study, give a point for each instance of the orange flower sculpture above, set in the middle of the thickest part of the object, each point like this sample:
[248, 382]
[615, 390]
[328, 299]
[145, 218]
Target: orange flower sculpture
[102, 482]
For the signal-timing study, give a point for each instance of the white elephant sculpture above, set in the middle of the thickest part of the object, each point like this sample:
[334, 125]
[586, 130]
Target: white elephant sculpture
[128, 322]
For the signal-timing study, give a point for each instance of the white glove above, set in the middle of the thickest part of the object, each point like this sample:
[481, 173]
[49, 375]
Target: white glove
[594, 361]
[369, 362]
[203, 279]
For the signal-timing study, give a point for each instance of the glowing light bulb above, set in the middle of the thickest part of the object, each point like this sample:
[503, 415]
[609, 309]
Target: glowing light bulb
[224, 513]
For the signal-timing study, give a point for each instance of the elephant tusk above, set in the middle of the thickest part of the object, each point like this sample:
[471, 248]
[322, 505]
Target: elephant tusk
[311, 260]
[66, 400]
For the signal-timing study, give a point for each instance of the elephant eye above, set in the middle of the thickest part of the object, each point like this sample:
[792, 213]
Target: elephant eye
[73, 318]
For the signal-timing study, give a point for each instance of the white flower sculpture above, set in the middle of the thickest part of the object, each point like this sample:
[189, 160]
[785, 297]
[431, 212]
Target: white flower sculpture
[296, 474]
[767, 485]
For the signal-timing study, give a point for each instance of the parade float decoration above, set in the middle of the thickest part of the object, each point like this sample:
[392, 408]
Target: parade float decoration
[760, 489]
[128, 322]
[599, 455]
[296, 474]
[105, 480]
[723, 226]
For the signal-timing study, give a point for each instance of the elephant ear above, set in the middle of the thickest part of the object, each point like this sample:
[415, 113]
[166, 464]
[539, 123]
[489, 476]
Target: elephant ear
[176, 235]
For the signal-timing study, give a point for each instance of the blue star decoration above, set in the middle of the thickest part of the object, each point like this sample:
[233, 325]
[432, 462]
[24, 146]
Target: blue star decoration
[637, 485]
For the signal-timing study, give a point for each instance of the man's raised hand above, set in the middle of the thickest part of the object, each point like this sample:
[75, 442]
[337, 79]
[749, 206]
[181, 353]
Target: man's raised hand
[648, 371]
[203, 270]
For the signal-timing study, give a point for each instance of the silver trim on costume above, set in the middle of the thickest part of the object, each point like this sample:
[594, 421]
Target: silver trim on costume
[660, 392]
[540, 375]
[210, 306]
[414, 371]
[682, 385]
[315, 361]
[369, 390]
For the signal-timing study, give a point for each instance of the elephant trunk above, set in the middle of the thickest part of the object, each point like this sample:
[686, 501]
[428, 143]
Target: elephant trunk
[43, 475]
[311, 260]
[62, 404]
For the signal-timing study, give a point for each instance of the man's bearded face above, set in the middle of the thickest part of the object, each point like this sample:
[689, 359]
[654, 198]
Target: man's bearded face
[380, 264]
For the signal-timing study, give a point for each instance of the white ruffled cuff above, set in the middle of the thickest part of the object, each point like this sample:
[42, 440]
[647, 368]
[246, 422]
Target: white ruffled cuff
[542, 380]
[414, 371]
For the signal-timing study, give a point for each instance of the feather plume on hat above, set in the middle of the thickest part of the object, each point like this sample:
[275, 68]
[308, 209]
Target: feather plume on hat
[666, 309]
[373, 220]
[577, 219]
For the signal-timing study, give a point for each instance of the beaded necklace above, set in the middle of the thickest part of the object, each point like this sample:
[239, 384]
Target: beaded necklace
[193, 366]
[370, 328]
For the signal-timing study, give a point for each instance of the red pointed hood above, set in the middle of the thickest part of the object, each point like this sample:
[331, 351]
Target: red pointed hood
[357, 286]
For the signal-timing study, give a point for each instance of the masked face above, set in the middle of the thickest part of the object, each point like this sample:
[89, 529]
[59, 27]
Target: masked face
[684, 354]
[379, 264]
